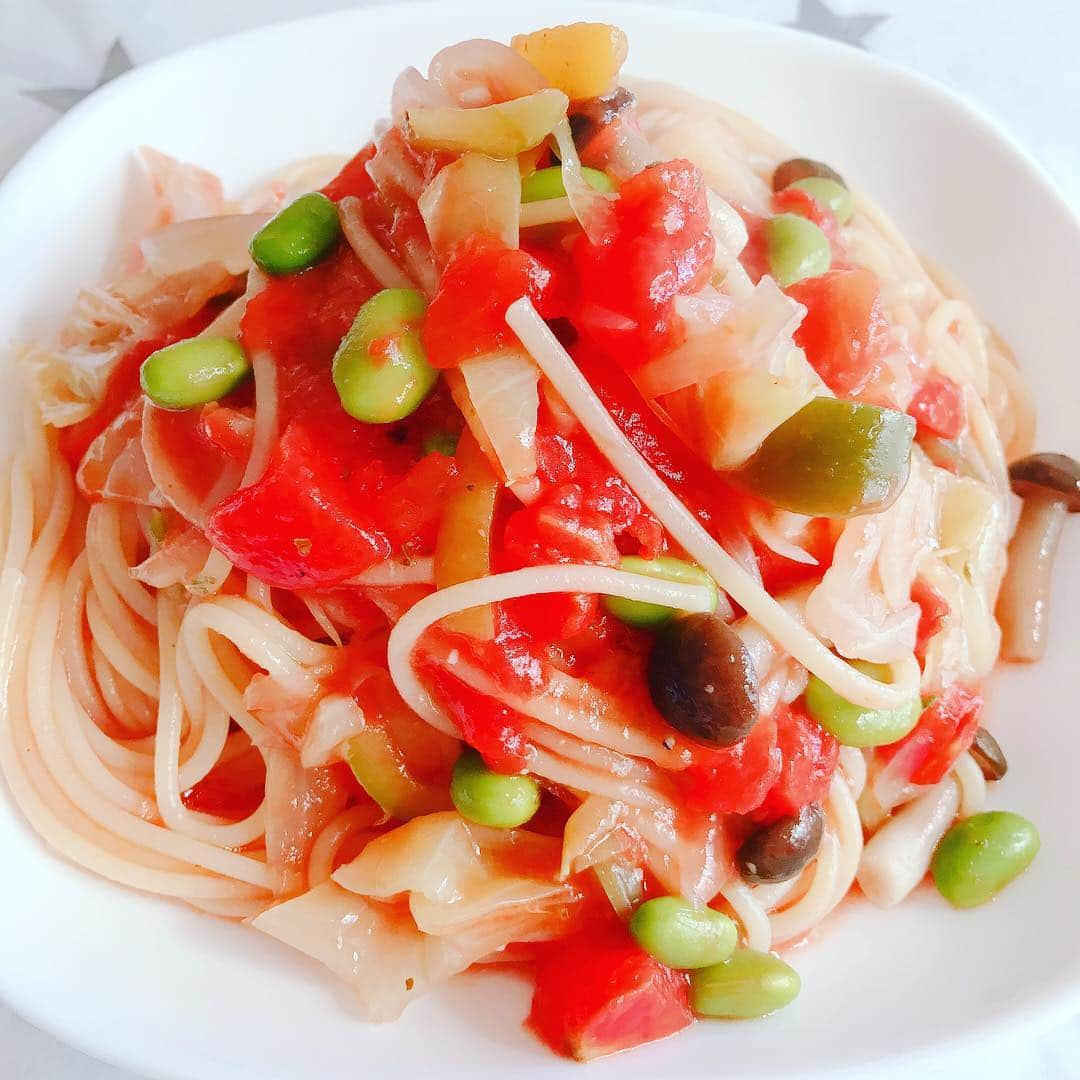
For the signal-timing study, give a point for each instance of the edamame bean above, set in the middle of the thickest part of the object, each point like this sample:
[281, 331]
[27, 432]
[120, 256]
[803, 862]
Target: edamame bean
[490, 798]
[193, 372]
[828, 193]
[548, 183]
[979, 856]
[380, 368]
[855, 725]
[683, 936]
[646, 615]
[298, 236]
[747, 985]
[796, 248]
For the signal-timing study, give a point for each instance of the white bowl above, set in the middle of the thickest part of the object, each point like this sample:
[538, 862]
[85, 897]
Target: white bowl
[168, 992]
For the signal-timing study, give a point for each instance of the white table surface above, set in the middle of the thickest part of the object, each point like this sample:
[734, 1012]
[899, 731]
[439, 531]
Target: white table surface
[1016, 59]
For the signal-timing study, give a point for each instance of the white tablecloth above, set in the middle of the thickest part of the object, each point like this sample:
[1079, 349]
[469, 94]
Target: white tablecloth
[1016, 60]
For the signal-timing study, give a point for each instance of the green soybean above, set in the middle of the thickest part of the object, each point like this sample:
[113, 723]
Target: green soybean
[380, 368]
[639, 612]
[548, 183]
[491, 798]
[749, 984]
[193, 372]
[681, 935]
[979, 856]
[829, 194]
[796, 248]
[856, 725]
[298, 236]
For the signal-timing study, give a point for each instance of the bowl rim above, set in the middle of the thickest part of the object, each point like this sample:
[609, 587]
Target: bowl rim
[1045, 1008]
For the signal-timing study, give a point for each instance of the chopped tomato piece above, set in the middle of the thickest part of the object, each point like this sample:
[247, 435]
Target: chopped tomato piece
[353, 178]
[301, 525]
[735, 779]
[945, 730]
[230, 430]
[933, 611]
[232, 789]
[483, 277]
[552, 533]
[300, 319]
[808, 756]
[487, 725]
[700, 488]
[418, 503]
[779, 574]
[597, 993]
[661, 246]
[938, 408]
[843, 333]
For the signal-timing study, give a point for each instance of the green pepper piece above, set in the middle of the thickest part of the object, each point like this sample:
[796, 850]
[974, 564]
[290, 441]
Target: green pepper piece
[834, 459]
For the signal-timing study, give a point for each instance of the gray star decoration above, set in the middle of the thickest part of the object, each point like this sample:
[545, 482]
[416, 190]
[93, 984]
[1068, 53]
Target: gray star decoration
[816, 18]
[62, 98]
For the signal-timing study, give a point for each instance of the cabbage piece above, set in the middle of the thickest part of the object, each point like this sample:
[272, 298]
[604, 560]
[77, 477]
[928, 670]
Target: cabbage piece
[374, 947]
[973, 526]
[114, 466]
[863, 604]
[475, 194]
[495, 885]
[179, 559]
[185, 245]
[181, 191]
[299, 805]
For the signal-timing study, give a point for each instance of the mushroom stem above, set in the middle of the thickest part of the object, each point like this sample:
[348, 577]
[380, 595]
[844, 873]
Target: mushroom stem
[1023, 606]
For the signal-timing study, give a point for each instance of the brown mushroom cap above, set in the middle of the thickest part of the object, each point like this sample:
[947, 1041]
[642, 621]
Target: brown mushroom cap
[587, 117]
[790, 172]
[1055, 476]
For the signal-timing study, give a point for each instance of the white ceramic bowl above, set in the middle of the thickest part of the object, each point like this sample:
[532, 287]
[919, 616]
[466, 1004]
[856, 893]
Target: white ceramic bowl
[167, 992]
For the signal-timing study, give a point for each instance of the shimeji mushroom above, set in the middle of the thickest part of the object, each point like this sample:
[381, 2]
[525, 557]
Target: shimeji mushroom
[1049, 484]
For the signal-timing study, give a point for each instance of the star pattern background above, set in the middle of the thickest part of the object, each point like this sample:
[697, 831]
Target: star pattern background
[1016, 61]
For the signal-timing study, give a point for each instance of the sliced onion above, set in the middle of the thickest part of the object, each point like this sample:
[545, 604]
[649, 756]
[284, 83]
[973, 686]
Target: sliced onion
[504, 390]
[480, 72]
[593, 209]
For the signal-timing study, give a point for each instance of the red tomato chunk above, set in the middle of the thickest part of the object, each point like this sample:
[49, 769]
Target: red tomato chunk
[661, 247]
[808, 756]
[843, 333]
[597, 993]
[485, 724]
[938, 408]
[736, 779]
[945, 730]
[483, 277]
